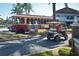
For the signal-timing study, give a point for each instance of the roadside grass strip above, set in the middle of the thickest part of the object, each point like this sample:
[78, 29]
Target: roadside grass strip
[7, 36]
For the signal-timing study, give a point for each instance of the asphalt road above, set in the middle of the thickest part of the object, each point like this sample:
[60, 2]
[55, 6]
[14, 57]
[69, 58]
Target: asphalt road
[29, 46]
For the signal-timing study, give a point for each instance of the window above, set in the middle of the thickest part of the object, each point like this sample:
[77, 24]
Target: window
[22, 21]
[44, 21]
[28, 22]
[70, 17]
[32, 21]
[58, 15]
[39, 21]
[19, 21]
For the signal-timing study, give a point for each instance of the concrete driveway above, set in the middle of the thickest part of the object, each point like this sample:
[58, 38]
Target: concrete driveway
[29, 46]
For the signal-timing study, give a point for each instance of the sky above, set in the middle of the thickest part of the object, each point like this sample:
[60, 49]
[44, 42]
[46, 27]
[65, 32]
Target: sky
[39, 8]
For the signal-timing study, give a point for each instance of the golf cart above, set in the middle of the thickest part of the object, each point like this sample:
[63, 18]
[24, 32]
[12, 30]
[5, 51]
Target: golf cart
[57, 31]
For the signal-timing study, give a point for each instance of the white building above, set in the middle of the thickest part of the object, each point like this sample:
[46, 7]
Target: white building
[67, 15]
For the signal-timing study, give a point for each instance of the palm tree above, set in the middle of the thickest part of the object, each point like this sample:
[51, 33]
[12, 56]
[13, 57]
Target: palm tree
[27, 7]
[17, 9]
[66, 5]
[53, 10]
[24, 6]
[54, 16]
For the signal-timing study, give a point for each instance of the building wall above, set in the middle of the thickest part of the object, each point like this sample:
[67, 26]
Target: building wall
[63, 17]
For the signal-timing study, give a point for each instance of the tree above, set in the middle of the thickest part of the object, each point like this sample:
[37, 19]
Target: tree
[17, 9]
[27, 7]
[53, 10]
[20, 8]
[2, 21]
[66, 5]
[54, 16]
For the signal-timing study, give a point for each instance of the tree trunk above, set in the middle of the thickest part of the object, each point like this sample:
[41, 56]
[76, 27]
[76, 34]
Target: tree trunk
[53, 8]
[26, 12]
[29, 12]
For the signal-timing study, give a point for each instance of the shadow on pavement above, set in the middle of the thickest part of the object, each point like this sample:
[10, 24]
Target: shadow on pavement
[9, 49]
[23, 47]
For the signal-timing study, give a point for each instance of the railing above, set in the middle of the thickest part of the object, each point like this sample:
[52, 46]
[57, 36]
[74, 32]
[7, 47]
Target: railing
[76, 42]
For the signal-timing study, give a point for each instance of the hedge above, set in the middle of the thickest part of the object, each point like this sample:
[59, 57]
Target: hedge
[66, 52]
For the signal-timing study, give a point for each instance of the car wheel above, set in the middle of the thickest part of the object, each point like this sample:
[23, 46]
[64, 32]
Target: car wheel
[48, 38]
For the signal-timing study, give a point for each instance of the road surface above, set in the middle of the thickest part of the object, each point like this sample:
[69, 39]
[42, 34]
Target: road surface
[29, 46]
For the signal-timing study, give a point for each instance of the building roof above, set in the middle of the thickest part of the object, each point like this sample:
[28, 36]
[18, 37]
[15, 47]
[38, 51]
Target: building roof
[67, 10]
[33, 16]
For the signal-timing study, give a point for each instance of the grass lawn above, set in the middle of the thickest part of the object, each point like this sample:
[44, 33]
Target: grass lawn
[46, 53]
[12, 36]
[3, 27]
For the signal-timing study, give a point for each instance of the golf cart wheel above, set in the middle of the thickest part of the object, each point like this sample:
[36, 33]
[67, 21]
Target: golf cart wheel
[48, 38]
[57, 38]
[66, 37]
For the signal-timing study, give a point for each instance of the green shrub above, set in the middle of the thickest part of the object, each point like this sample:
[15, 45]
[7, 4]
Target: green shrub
[46, 53]
[49, 53]
[3, 27]
[41, 31]
[40, 54]
[64, 51]
[20, 36]
[72, 53]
